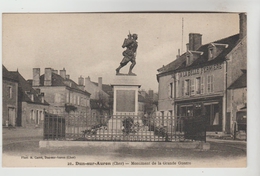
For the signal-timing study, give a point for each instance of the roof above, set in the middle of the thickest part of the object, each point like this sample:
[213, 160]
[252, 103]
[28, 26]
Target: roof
[24, 87]
[140, 98]
[241, 82]
[180, 63]
[105, 87]
[177, 63]
[57, 80]
[8, 75]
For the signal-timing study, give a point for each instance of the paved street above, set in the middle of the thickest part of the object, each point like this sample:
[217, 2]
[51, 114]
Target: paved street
[223, 153]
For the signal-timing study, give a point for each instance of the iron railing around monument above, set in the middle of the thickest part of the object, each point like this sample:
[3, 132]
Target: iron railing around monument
[123, 127]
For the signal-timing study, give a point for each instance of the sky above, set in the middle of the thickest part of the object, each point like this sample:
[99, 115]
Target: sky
[90, 44]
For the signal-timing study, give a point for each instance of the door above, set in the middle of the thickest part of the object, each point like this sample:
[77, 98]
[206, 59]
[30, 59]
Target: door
[11, 116]
[213, 117]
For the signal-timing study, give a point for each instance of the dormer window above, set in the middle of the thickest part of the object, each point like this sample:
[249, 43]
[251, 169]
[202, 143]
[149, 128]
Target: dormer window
[210, 53]
[189, 58]
[32, 97]
[214, 49]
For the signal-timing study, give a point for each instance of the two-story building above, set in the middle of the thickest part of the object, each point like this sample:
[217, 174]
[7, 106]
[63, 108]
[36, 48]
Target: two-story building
[31, 104]
[238, 99]
[9, 98]
[62, 93]
[99, 99]
[196, 83]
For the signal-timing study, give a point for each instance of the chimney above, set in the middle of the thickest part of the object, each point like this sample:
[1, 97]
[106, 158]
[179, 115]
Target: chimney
[87, 79]
[195, 41]
[87, 82]
[36, 77]
[67, 76]
[187, 47]
[63, 73]
[81, 81]
[47, 77]
[150, 93]
[55, 71]
[100, 83]
[88, 86]
[178, 56]
[242, 25]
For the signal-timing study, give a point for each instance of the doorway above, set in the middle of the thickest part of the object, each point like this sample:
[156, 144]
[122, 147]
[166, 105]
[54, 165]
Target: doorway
[11, 116]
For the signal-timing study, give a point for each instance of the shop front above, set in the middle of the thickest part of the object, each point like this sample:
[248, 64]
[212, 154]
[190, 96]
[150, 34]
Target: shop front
[209, 109]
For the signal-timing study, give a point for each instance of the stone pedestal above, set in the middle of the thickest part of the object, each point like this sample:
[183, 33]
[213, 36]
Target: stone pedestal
[125, 89]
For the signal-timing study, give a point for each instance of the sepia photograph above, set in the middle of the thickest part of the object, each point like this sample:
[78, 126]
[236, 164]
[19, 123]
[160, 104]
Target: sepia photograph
[124, 90]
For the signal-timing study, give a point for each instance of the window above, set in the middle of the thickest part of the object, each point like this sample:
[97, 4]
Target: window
[170, 90]
[10, 92]
[71, 98]
[57, 98]
[192, 87]
[67, 97]
[210, 84]
[32, 97]
[170, 113]
[198, 85]
[189, 111]
[210, 53]
[187, 87]
[182, 88]
[74, 99]
[188, 60]
[78, 100]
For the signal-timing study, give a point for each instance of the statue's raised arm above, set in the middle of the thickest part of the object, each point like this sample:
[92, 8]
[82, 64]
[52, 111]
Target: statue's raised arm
[129, 54]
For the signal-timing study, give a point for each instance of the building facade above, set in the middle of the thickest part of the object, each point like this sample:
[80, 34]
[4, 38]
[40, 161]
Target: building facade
[31, 104]
[99, 99]
[196, 83]
[62, 93]
[9, 99]
[238, 99]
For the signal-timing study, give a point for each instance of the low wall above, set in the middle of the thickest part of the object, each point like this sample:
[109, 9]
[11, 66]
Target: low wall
[111, 145]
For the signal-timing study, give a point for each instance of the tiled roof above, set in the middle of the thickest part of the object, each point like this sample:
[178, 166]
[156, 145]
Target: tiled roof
[57, 80]
[8, 75]
[24, 87]
[241, 82]
[180, 63]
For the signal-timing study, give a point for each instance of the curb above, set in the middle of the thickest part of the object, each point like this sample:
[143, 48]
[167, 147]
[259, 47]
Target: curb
[111, 145]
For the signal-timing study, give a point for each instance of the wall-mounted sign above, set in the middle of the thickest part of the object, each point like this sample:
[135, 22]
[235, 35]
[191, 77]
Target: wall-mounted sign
[200, 70]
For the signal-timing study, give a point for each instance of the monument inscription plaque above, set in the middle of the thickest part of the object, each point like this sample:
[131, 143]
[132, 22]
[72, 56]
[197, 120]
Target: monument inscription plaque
[125, 101]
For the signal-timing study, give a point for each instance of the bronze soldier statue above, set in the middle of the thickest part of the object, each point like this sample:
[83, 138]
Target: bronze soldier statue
[129, 54]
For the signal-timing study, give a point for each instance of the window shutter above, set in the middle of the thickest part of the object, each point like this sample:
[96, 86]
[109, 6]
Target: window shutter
[211, 83]
[202, 85]
[208, 83]
[182, 87]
